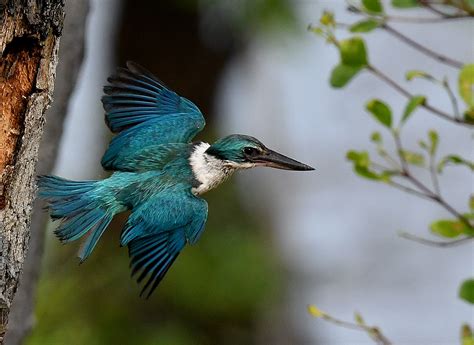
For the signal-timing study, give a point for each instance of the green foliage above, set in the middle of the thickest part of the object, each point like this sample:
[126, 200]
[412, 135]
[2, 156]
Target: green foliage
[359, 319]
[469, 115]
[405, 3]
[327, 19]
[450, 228]
[353, 60]
[466, 335]
[434, 139]
[412, 104]
[376, 137]
[366, 25]
[342, 74]
[410, 75]
[413, 158]
[381, 111]
[466, 291]
[466, 84]
[362, 166]
[353, 52]
[374, 6]
[455, 160]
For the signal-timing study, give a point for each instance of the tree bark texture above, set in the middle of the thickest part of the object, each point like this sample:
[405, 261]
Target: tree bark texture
[29, 41]
[71, 53]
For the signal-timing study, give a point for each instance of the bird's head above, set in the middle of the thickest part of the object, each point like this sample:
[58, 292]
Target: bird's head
[242, 152]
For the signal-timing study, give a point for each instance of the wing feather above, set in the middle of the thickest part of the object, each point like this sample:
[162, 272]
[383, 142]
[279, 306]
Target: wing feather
[158, 230]
[145, 113]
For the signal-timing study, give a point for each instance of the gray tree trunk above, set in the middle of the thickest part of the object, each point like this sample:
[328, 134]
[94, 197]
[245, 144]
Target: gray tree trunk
[71, 54]
[29, 41]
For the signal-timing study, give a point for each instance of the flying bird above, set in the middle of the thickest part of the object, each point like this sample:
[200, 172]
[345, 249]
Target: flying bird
[158, 174]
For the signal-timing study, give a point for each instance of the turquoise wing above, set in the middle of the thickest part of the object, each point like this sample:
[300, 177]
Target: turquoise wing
[157, 231]
[143, 112]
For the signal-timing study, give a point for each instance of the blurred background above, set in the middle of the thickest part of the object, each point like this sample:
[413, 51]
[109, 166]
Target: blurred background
[275, 241]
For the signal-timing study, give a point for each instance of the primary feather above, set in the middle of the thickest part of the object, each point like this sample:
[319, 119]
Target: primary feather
[145, 114]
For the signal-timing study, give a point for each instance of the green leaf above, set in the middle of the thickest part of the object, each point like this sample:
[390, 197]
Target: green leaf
[361, 161]
[317, 30]
[327, 19]
[380, 111]
[466, 335]
[360, 158]
[471, 203]
[364, 26]
[423, 145]
[410, 75]
[469, 115]
[376, 137]
[374, 6]
[412, 104]
[413, 158]
[342, 74]
[405, 3]
[455, 160]
[315, 311]
[466, 84]
[365, 172]
[449, 228]
[353, 52]
[434, 138]
[466, 291]
[359, 319]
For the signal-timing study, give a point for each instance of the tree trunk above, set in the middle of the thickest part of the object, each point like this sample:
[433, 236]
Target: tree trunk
[29, 42]
[71, 54]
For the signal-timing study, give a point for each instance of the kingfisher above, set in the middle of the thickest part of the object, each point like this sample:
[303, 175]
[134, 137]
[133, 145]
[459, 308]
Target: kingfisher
[158, 174]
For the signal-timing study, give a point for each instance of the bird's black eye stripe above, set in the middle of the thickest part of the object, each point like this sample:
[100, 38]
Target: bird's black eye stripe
[250, 151]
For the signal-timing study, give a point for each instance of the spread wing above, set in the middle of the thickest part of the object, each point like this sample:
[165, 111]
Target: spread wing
[144, 112]
[158, 230]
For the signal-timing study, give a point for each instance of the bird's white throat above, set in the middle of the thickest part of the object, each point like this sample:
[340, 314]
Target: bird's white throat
[210, 171]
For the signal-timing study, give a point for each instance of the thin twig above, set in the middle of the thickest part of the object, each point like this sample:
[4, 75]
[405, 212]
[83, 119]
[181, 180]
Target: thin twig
[423, 20]
[434, 176]
[444, 59]
[433, 9]
[436, 197]
[438, 112]
[428, 242]
[373, 332]
[452, 98]
[409, 190]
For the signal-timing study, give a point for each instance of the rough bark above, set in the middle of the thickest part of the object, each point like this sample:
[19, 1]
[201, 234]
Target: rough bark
[29, 42]
[71, 54]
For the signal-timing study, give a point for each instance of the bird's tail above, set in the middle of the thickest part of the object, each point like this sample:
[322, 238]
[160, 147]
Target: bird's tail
[77, 205]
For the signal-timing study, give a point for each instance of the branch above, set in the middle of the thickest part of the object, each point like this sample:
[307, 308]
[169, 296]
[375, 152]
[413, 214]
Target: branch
[432, 243]
[434, 196]
[433, 9]
[373, 331]
[444, 59]
[434, 176]
[438, 112]
[452, 98]
[426, 20]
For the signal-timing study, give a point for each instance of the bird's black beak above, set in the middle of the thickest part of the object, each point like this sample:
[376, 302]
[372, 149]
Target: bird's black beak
[276, 160]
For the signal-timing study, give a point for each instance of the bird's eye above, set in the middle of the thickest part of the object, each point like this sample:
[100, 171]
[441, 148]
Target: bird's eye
[250, 151]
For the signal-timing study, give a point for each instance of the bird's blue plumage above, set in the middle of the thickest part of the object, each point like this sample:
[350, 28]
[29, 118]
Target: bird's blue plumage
[157, 175]
[145, 114]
